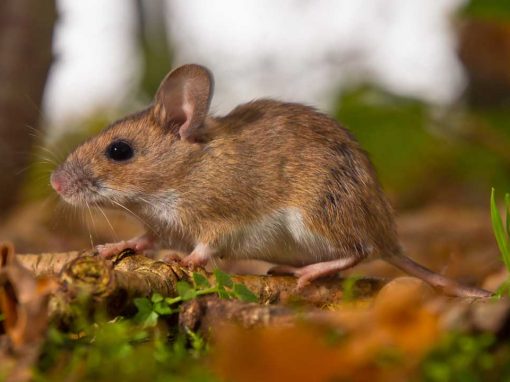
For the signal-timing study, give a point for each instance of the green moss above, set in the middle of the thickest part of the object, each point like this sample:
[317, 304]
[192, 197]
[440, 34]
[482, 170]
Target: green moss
[462, 357]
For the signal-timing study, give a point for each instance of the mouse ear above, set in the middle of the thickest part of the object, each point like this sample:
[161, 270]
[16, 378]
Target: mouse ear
[183, 98]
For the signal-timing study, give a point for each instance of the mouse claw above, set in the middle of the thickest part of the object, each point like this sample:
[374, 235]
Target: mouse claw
[193, 262]
[171, 256]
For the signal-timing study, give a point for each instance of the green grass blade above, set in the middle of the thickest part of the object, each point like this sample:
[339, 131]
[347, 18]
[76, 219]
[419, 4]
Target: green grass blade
[507, 214]
[499, 231]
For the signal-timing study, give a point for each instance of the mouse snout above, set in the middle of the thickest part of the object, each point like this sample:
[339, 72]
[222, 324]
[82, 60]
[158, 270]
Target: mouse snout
[57, 181]
[72, 183]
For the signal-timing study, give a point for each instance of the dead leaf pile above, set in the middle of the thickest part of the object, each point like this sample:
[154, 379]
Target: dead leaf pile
[383, 342]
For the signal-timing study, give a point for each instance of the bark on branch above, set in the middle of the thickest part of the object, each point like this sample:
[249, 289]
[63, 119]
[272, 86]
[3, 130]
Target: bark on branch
[129, 275]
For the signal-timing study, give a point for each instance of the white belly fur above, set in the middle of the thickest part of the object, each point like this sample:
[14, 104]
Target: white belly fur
[281, 237]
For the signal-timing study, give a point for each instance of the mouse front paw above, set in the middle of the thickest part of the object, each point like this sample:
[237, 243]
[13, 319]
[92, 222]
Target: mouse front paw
[109, 250]
[137, 244]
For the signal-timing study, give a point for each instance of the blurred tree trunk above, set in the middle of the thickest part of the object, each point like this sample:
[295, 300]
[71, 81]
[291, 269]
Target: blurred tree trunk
[26, 30]
[484, 49]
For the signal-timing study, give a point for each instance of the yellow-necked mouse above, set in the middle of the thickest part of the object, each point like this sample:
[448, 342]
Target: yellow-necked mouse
[273, 181]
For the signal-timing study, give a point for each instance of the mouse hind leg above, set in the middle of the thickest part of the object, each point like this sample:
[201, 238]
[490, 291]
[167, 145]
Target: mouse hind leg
[330, 258]
[314, 271]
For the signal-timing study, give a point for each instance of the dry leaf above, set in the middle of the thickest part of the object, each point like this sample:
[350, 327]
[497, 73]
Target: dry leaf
[381, 343]
[24, 304]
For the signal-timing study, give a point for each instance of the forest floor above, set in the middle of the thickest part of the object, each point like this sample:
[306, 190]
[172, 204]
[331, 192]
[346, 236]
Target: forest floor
[372, 323]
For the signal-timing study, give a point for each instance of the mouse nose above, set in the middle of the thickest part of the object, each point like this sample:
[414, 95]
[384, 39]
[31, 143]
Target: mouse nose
[56, 182]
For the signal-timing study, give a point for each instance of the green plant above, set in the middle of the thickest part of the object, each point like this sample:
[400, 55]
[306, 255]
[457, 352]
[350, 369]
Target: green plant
[501, 231]
[349, 287]
[149, 310]
[502, 234]
[138, 348]
[100, 349]
[460, 357]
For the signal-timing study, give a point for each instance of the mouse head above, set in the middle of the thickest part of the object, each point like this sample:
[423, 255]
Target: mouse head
[140, 154]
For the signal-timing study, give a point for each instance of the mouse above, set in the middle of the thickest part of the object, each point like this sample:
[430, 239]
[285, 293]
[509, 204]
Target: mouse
[271, 180]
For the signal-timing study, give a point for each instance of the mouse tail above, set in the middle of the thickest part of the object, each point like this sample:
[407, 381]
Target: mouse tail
[446, 285]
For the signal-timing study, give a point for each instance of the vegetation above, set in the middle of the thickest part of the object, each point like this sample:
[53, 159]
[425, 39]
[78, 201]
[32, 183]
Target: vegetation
[146, 346]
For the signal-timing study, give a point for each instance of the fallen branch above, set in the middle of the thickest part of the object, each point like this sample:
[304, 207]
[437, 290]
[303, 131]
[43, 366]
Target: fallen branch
[201, 314]
[49, 263]
[129, 275]
[113, 284]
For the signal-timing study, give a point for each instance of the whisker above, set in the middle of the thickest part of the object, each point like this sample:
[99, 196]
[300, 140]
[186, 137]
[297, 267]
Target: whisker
[92, 246]
[23, 170]
[108, 221]
[88, 230]
[44, 161]
[48, 151]
[131, 212]
[91, 217]
[36, 133]
[146, 201]
[136, 216]
[47, 157]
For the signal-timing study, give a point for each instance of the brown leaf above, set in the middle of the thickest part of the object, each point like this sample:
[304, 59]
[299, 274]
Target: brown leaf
[382, 342]
[24, 304]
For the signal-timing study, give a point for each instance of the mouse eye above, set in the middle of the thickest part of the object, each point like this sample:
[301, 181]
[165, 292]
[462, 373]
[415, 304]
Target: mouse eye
[119, 151]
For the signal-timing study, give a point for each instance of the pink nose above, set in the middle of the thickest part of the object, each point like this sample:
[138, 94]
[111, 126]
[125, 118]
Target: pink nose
[56, 182]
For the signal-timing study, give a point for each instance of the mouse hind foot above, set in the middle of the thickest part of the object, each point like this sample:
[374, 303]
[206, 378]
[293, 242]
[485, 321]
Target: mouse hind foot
[311, 272]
